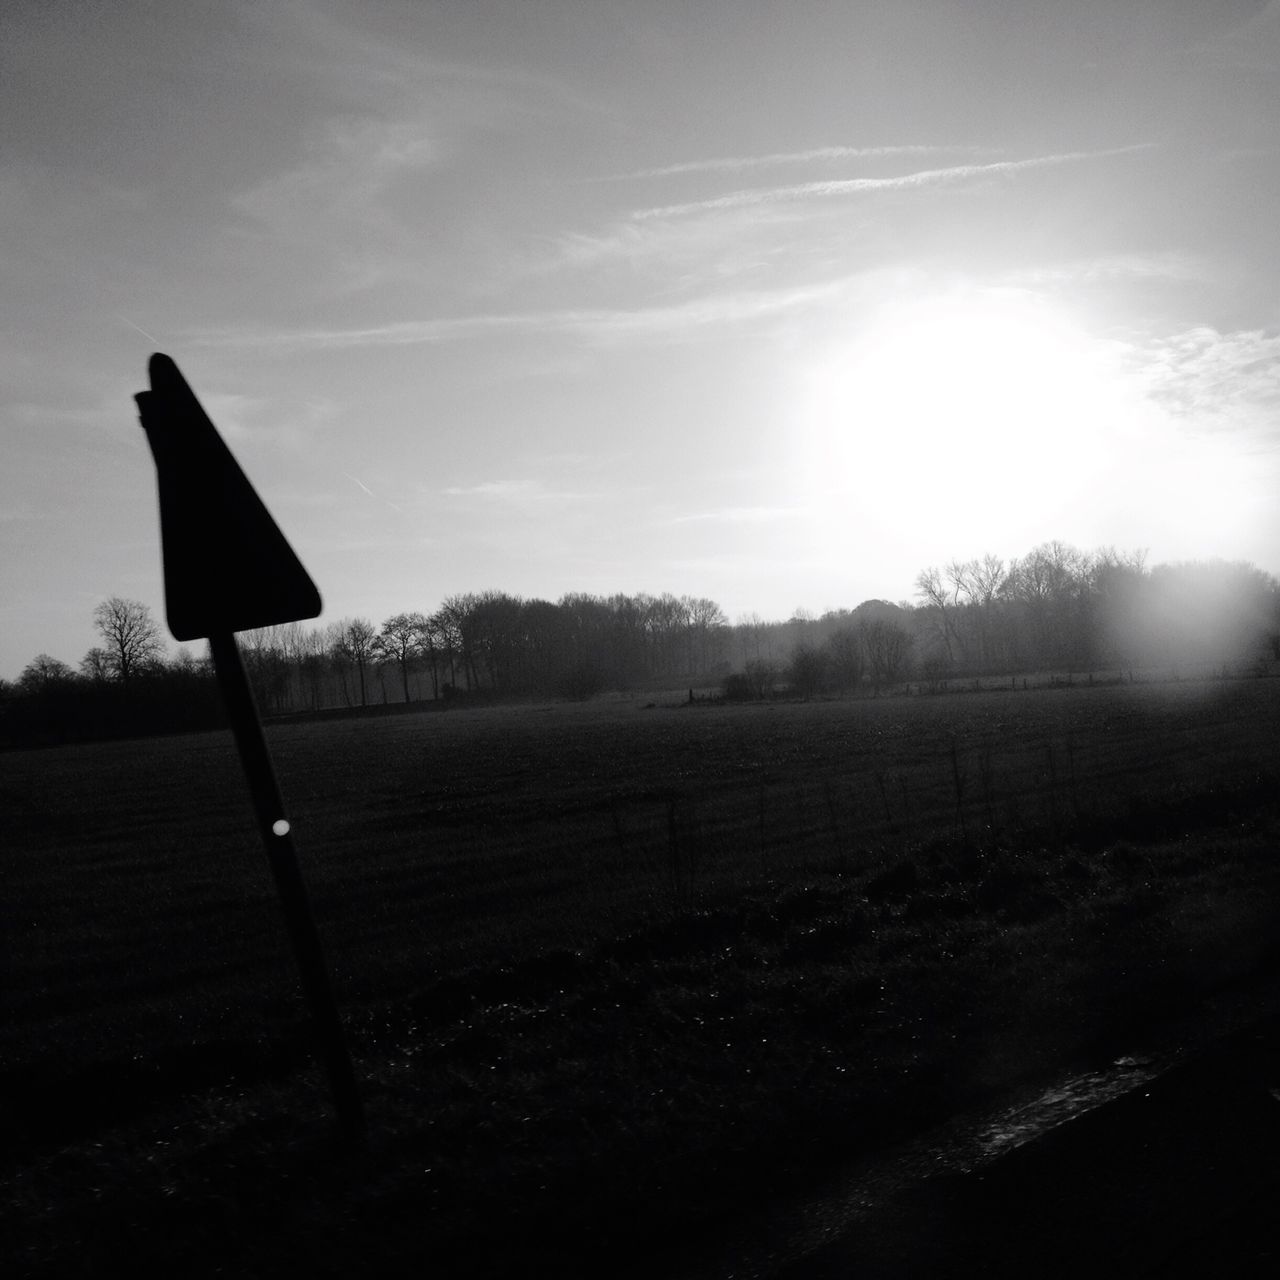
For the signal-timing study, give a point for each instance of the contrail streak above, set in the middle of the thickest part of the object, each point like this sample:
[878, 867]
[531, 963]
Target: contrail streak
[385, 502]
[149, 337]
[851, 186]
[731, 164]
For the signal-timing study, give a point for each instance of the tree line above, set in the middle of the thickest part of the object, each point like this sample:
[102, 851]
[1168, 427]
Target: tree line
[1057, 608]
[475, 646]
[489, 645]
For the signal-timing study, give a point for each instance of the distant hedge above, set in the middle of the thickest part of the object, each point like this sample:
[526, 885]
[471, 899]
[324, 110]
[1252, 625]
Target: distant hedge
[80, 710]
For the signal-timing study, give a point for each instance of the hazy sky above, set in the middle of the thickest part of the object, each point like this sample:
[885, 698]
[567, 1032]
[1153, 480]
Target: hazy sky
[775, 303]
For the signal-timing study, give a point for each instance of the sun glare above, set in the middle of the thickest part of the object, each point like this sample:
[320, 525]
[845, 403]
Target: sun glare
[979, 416]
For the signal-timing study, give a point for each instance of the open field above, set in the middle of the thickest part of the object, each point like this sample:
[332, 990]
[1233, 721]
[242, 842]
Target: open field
[604, 964]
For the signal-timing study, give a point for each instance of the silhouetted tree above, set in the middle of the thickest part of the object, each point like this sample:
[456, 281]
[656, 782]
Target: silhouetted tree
[1045, 586]
[588, 623]
[761, 674]
[266, 661]
[846, 661]
[457, 618]
[43, 674]
[130, 636]
[401, 639]
[751, 629]
[496, 626]
[979, 583]
[629, 658]
[667, 620]
[939, 597]
[706, 624]
[807, 670]
[95, 665]
[888, 646]
[353, 642]
[432, 645]
[543, 628]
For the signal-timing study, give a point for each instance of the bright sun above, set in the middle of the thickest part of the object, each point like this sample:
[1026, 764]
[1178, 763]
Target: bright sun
[963, 390]
[983, 416]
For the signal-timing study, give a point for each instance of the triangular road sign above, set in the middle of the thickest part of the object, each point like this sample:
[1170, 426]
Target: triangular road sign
[227, 566]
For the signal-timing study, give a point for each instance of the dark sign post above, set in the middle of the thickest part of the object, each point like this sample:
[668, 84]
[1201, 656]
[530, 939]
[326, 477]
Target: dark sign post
[228, 568]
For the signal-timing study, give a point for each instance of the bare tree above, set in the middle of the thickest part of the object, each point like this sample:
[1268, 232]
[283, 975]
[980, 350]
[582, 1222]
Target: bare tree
[845, 659]
[887, 646]
[185, 663]
[751, 629]
[1118, 583]
[95, 665]
[627, 649]
[1047, 583]
[444, 632]
[433, 645]
[457, 618]
[707, 623]
[667, 621]
[497, 638]
[401, 639]
[130, 636]
[354, 642]
[979, 582]
[44, 673]
[266, 659]
[543, 629]
[761, 674]
[807, 670]
[940, 605]
[308, 652]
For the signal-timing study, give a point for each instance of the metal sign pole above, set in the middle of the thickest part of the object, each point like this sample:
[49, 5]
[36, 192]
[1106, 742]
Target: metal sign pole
[228, 568]
[278, 839]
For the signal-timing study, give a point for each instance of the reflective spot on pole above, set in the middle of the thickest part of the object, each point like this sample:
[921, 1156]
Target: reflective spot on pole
[280, 827]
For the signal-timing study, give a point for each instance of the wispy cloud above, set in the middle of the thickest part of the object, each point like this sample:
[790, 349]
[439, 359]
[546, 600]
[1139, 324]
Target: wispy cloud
[367, 65]
[336, 213]
[376, 116]
[1217, 380]
[498, 489]
[716, 247]
[740, 515]
[857, 186]
[286, 424]
[736, 164]
[1248, 46]
[1169, 265]
[599, 325]
[516, 493]
[340, 183]
[236, 415]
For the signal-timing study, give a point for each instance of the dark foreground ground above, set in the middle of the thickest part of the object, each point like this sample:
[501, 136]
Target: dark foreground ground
[618, 979]
[1177, 1176]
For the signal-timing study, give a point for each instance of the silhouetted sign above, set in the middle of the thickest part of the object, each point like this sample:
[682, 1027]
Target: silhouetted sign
[227, 566]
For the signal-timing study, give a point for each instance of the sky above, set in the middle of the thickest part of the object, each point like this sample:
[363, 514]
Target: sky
[778, 304]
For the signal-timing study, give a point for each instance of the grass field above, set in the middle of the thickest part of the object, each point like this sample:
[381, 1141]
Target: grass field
[610, 970]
